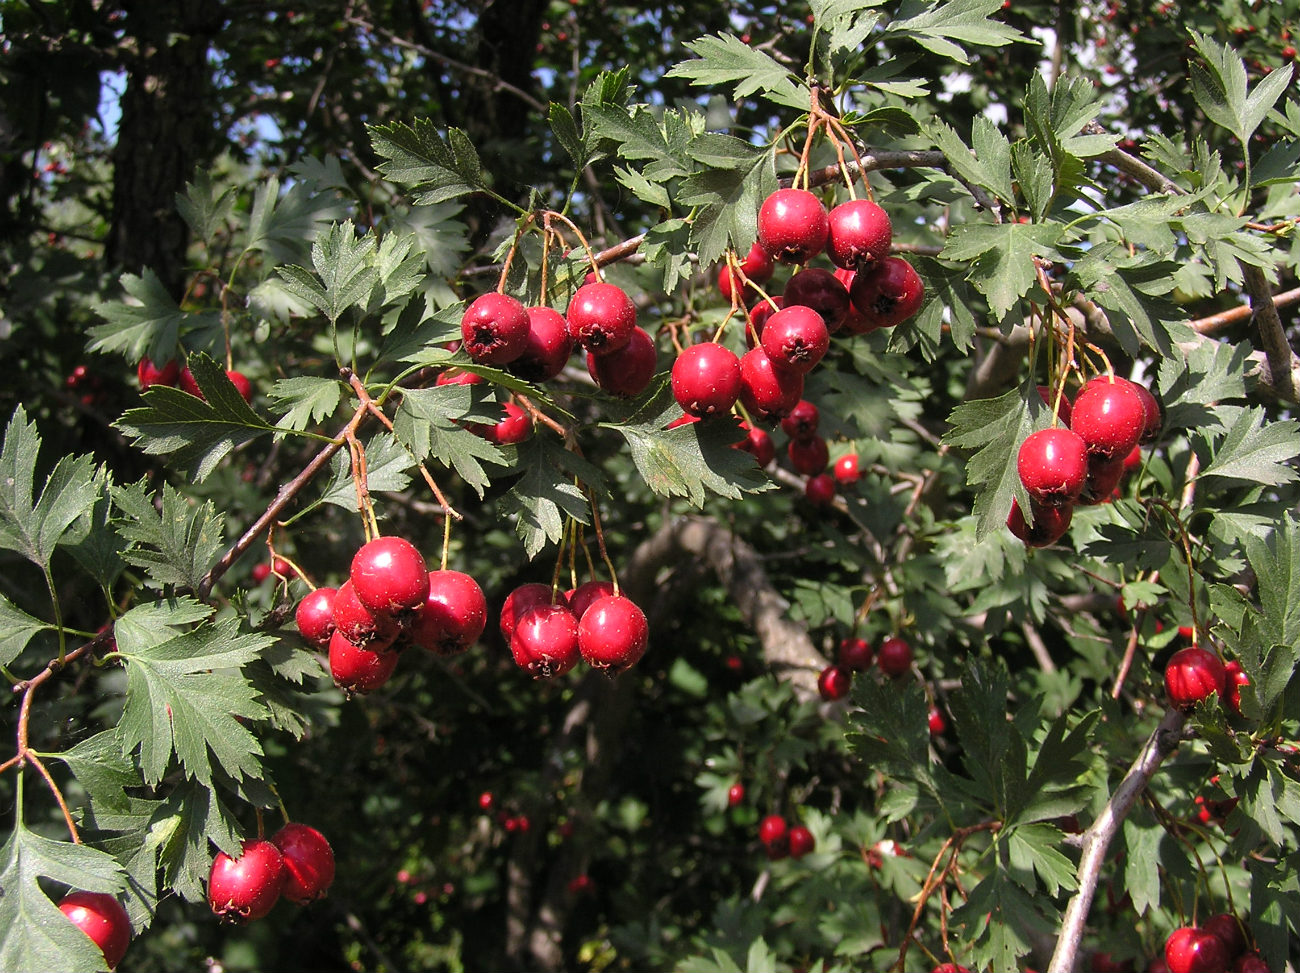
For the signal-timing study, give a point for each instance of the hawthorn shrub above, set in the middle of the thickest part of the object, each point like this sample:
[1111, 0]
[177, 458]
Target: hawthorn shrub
[826, 595]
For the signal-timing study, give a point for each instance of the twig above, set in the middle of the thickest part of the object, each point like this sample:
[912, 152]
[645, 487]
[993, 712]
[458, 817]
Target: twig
[1217, 322]
[1277, 349]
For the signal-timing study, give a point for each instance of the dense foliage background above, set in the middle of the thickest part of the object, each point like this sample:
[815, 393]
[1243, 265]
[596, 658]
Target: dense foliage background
[282, 188]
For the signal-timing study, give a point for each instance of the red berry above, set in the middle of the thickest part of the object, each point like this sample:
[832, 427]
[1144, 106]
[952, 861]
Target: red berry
[793, 225]
[706, 379]
[1153, 418]
[150, 374]
[1050, 524]
[245, 888]
[580, 884]
[494, 329]
[735, 794]
[894, 656]
[1249, 963]
[1191, 675]
[772, 831]
[801, 841]
[860, 234]
[758, 317]
[757, 267]
[187, 383]
[612, 634]
[1053, 466]
[358, 624]
[1109, 416]
[887, 293]
[452, 617]
[315, 617]
[389, 576]
[846, 469]
[242, 385]
[356, 669]
[524, 597]
[1229, 929]
[101, 917]
[601, 317]
[547, 347]
[487, 800]
[834, 682]
[308, 862]
[545, 640]
[261, 572]
[1193, 950]
[1103, 480]
[937, 723]
[823, 292]
[855, 653]
[1049, 396]
[820, 489]
[625, 371]
[1133, 460]
[516, 427]
[802, 421]
[766, 389]
[808, 456]
[1234, 677]
[585, 595]
[758, 443]
[458, 376]
[795, 338]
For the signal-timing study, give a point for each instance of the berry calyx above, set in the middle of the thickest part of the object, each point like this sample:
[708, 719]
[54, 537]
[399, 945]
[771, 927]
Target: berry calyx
[859, 234]
[494, 329]
[545, 641]
[894, 657]
[453, 615]
[706, 379]
[855, 653]
[795, 338]
[1191, 675]
[793, 225]
[612, 634]
[1053, 466]
[767, 390]
[315, 617]
[245, 888]
[601, 317]
[356, 669]
[101, 917]
[887, 293]
[823, 292]
[389, 576]
[1109, 416]
[1193, 950]
[308, 862]
[834, 682]
[801, 841]
[625, 371]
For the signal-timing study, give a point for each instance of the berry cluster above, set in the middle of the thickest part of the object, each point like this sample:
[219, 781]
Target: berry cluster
[297, 863]
[781, 841]
[1194, 673]
[1219, 944]
[1083, 459]
[894, 658]
[174, 376]
[389, 602]
[549, 630]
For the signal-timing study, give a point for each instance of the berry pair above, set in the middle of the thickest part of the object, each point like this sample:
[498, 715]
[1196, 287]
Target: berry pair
[781, 841]
[297, 862]
[548, 631]
[174, 376]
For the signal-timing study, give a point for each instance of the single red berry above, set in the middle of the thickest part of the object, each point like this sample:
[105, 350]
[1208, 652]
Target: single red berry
[150, 374]
[389, 576]
[545, 641]
[547, 347]
[516, 427]
[585, 595]
[188, 384]
[1229, 929]
[261, 572]
[487, 800]
[245, 888]
[758, 443]
[1192, 950]
[1133, 460]
[936, 721]
[494, 329]
[242, 385]
[1053, 466]
[793, 225]
[1191, 675]
[887, 293]
[706, 379]
[1234, 677]
[819, 490]
[735, 794]
[626, 371]
[774, 834]
[1104, 476]
[356, 669]
[1288, 53]
[601, 317]
[315, 617]
[795, 338]
[1050, 524]
[894, 656]
[846, 469]
[860, 234]
[308, 862]
[524, 597]
[580, 884]
[802, 421]
[1248, 963]
[767, 389]
[1153, 417]
[822, 291]
[801, 841]
[855, 653]
[613, 633]
[453, 615]
[1109, 416]
[758, 316]
[101, 917]
[834, 682]
[757, 268]
[458, 376]
[808, 456]
[359, 625]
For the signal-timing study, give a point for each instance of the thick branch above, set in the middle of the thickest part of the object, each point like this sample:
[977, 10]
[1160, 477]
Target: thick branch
[1277, 349]
[1096, 841]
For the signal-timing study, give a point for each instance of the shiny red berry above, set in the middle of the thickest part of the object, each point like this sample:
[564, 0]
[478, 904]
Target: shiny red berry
[389, 576]
[767, 390]
[315, 617]
[802, 421]
[1053, 466]
[601, 317]
[793, 225]
[795, 338]
[242, 385]
[1191, 675]
[356, 669]
[859, 234]
[494, 329]
[1192, 950]
[706, 379]
[834, 682]
[1050, 524]
[846, 469]
[452, 617]
[757, 267]
[358, 624]
[613, 633]
[245, 888]
[801, 841]
[735, 794]
[625, 371]
[821, 291]
[808, 456]
[1109, 416]
[887, 293]
[855, 653]
[524, 597]
[101, 917]
[545, 641]
[547, 347]
[819, 490]
[894, 656]
[757, 443]
[308, 862]
[150, 374]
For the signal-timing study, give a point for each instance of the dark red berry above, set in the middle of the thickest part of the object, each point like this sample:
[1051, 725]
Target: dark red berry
[834, 682]
[1109, 416]
[524, 597]
[855, 653]
[188, 384]
[1248, 963]
[774, 833]
[453, 615]
[793, 225]
[308, 862]
[1103, 479]
[1053, 466]
[823, 292]
[757, 268]
[583, 596]
[245, 888]
[795, 338]
[242, 385]
[894, 656]
[1229, 929]
[1191, 675]
[358, 624]
[516, 427]
[767, 390]
[494, 329]
[356, 669]
[601, 317]
[612, 634]
[860, 234]
[545, 641]
[1050, 524]
[819, 490]
[706, 379]
[547, 347]
[1234, 677]
[150, 374]
[315, 617]
[808, 456]
[627, 370]
[887, 293]
[802, 421]
[101, 917]
[801, 841]
[758, 443]
[1154, 418]
[1048, 396]
[735, 794]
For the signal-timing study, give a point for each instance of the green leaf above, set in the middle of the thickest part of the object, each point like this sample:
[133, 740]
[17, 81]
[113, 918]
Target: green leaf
[1142, 861]
[694, 460]
[1276, 563]
[545, 495]
[988, 166]
[979, 720]
[426, 424]
[1254, 453]
[178, 700]
[437, 167]
[1131, 288]
[282, 226]
[203, 208]
[184, 827]
[1033, 171]
[724, 58]
[994, 428]
[307, 400]
[148, 324]
[17, 628]
[34, 934]
[344, 263]
[891, 731]
[942, 28]
[1002, 258]
[1035, 848]
[196, 434]
[176, 545]
[638, 134]
[1004, 917]
[642, 188]
[94, 540]
[1219, 87]
[388, 470]
[100, 768]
